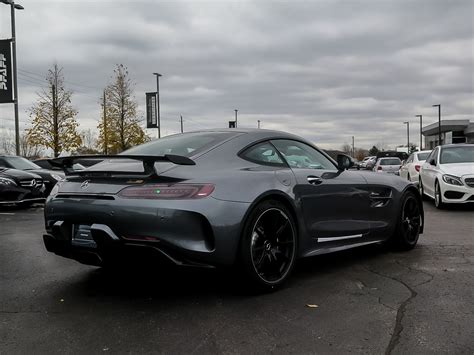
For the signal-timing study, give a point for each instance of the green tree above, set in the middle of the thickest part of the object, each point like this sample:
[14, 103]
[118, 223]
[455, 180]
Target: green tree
[119, 127]
[53, 118]
[373, 151]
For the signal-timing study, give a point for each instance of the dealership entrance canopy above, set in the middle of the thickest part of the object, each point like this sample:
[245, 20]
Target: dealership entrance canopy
[452, 131]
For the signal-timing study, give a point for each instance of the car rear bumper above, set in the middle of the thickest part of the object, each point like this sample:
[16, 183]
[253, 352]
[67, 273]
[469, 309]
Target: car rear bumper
[197, 233]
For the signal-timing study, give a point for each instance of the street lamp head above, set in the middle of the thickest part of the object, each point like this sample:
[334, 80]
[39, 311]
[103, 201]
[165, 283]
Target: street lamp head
[157, 74]
[436, 105]
[19, 7]
[405, 122]
[8, 2]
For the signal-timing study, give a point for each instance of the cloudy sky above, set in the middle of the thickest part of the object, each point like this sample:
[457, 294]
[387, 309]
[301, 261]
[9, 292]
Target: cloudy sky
[326, 70]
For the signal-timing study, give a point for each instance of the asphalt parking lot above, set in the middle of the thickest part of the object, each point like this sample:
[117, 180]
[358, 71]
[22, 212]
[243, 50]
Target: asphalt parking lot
[367, 300]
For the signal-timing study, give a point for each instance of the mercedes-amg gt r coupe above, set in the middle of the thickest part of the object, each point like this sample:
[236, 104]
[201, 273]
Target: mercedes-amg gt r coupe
[256, 199]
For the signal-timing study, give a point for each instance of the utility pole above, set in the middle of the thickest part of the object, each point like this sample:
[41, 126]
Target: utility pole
[182, 124]
[55, 121]
[106, 141]
[439, 123]
[408, 137]
[258, 124]
[236, 118]
[421, 128]
[157, 104]
[353, 150]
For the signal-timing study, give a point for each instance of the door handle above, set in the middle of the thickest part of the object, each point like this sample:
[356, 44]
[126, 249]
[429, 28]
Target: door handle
[314, 180]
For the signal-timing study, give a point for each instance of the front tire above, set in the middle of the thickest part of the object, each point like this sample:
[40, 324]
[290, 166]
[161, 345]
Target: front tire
[268, 246]
[409, 223]
[439, 204]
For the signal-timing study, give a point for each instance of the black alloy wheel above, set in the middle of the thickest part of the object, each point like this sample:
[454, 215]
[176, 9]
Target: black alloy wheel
[268, 250]
[409, 223]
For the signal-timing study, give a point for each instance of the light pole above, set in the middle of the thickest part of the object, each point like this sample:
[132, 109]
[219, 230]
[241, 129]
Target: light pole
[258, 124]
[421, 127]
[14, 6]
[408, 137]
[353, 150]
[236, 117]
[439, 123]
[157, 103]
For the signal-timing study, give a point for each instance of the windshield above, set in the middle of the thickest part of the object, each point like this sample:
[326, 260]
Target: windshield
[187, 145]
[423, 156]
[21, 163]
[462, 154]
[393, 161]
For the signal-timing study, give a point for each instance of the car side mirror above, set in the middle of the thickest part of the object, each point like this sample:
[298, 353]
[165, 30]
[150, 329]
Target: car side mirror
[344, 162]
[432, 162]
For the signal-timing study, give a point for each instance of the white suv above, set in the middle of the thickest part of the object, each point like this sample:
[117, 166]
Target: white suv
[411, 167]
[447, 176]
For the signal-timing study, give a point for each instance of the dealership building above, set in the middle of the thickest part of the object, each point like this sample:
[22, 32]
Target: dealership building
[452, 131]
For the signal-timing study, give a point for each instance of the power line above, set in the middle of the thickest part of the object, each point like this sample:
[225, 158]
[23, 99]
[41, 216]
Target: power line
[23, 71]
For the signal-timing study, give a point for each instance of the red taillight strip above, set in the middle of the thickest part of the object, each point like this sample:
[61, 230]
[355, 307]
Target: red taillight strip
[167, 192]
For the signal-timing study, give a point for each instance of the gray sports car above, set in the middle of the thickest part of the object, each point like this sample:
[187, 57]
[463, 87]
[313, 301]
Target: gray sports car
[258, 199]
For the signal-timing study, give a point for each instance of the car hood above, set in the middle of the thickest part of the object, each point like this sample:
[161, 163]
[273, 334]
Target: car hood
[18, 174]
[458, 169]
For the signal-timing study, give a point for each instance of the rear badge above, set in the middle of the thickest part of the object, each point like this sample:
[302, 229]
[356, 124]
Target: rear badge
[85, 184]
[134, 181]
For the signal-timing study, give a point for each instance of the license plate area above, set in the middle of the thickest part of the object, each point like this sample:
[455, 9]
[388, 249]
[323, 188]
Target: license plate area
[82, 236]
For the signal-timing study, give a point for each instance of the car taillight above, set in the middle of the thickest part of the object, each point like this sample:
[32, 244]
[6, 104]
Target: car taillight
[167, 192]
[379, 168]
[417, 168]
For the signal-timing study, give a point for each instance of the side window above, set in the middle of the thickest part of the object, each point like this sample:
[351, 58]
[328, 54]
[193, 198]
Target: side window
[264, 154]
[3, 163]
[302, 156]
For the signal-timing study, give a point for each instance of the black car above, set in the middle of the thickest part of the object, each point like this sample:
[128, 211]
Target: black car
[20, 187]
[49, 177]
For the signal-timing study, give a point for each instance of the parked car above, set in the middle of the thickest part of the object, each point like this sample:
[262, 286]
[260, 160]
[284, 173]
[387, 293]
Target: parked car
[392, 154]
[370, 163]
[410, 168]
[50, 177]
[20, 187]
[46, 164]
[255, 198]
[447, 176]
[388, 165]
[363, 163]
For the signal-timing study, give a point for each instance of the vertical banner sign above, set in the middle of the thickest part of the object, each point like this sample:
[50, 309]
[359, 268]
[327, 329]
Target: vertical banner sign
[151, 114]
[6, 79]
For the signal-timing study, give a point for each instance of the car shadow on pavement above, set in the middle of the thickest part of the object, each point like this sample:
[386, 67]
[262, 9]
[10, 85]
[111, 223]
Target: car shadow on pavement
[160, 283]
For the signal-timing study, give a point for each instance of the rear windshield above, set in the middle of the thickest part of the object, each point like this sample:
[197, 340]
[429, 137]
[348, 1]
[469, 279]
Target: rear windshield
[452, 155]
[188, 144]
[394, 161]
[423, 156]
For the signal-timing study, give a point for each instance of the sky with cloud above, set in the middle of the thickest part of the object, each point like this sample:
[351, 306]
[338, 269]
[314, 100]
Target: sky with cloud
[326, 70]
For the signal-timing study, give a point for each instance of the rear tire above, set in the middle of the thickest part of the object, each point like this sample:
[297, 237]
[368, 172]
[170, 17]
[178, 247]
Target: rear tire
[409, 223]
[268, 246]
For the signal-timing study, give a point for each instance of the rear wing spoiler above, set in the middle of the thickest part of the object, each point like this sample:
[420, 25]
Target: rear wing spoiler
[66, 163]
